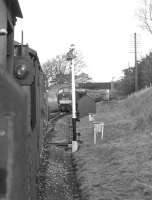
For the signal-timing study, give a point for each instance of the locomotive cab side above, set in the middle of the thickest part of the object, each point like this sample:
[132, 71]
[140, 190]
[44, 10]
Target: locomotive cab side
[12, 111]
[23, 110]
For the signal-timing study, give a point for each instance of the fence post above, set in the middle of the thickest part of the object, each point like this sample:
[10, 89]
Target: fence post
[98, 128]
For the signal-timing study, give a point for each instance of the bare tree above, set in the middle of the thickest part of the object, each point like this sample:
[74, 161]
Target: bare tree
[79, 63]
[145, 15]
[58, 69]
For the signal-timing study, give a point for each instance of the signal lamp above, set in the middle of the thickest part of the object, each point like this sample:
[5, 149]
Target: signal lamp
[21, 71]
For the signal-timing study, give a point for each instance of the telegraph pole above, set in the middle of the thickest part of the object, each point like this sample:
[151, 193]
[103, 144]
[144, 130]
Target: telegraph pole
[22, 38]
[136, 67]
[70, 58]
[22, 41]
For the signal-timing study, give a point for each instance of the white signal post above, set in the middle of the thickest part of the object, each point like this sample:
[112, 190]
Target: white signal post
[74, 141]
[70, 57]
[73, 91]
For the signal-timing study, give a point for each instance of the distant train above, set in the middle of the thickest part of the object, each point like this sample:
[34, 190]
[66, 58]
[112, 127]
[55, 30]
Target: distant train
[64, 98]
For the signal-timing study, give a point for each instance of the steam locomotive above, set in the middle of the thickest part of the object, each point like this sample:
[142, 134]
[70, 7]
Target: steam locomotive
[23, 110]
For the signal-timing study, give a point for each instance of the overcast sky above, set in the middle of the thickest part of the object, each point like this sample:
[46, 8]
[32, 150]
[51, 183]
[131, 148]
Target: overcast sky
[101, 30]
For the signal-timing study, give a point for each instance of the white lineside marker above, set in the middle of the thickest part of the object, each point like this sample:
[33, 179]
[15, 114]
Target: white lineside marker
[74, 146]
[98, 129]
[91, 117]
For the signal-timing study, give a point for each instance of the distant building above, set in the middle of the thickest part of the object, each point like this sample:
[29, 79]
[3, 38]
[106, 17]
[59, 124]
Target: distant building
[86, 105]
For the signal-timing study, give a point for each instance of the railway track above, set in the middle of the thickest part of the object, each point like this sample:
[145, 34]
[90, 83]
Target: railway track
[54, 115]
[57, 173]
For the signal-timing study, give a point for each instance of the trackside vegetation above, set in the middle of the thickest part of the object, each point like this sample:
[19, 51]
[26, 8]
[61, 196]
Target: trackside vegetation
[126, 85]
[120, 166]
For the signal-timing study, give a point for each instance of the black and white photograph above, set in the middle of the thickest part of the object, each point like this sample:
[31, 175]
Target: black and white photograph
[75, 100]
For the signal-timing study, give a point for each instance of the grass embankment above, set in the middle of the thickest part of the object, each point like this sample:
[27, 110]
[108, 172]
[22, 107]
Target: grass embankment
[120, 166]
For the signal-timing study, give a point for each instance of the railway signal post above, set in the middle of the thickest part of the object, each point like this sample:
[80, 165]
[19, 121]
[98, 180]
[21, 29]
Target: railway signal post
[70, 58]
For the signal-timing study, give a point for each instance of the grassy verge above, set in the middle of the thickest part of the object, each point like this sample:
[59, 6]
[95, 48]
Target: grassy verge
[119, 167]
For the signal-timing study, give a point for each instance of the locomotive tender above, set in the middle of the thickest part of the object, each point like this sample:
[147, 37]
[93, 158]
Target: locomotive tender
[23, 110]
